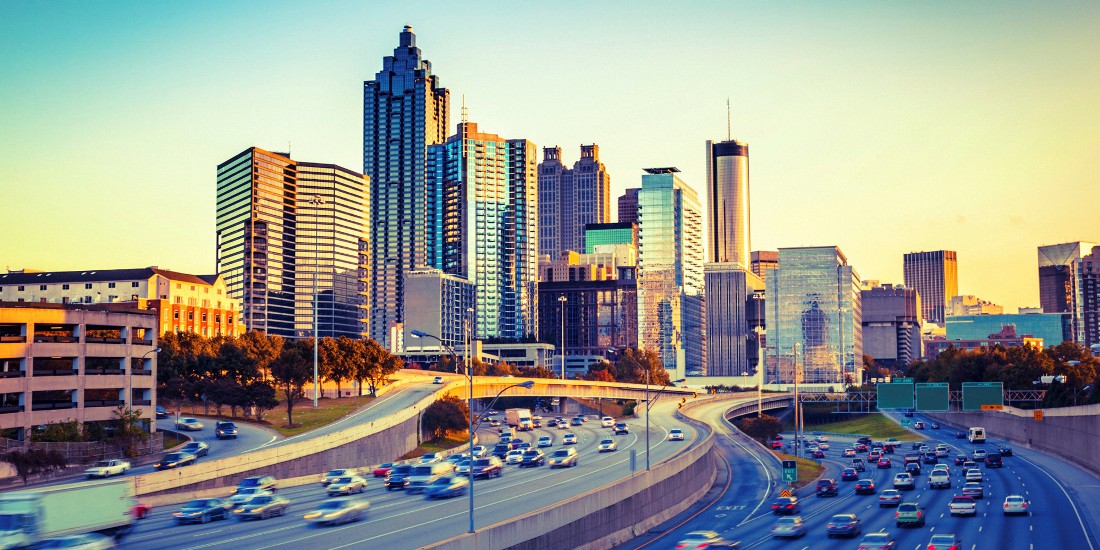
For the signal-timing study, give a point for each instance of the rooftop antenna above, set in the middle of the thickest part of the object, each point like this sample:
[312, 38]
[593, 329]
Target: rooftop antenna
[465, 112]
[728, 135]
[288, 148]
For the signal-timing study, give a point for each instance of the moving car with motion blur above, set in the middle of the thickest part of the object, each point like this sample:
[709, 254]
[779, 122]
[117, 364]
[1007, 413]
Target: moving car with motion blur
[383, 469]
[487, 467]
[563, 458]
[945, 542]
[877, 541]
[197, 448]
[447, 487]
[338, 510]
[262, 507]
[790, 527]
[844, 525]
[398, 477]
[346, 486]
[245, 494]
[706, 539]
[786, 506]
[175, 460]
[188, 424]
[203, 510]
[607, 446]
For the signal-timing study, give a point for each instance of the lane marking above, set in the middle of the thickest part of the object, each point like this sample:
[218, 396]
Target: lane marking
[1080, 521]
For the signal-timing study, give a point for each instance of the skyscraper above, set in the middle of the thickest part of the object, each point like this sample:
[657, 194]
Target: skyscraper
[1058, 266]
[891, 325]
[814, 304]
[1088, 301]
[935, 275]
[483, 209]
[290, 231]
[405, 109]
[670, 271]
[764, 261]
[728, 202]
[628, 206]
[569, 199]
[731, 340]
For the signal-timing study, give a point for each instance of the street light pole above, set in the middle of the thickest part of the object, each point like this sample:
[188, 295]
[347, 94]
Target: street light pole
[647, 417]
[561, 300]
[317, 202]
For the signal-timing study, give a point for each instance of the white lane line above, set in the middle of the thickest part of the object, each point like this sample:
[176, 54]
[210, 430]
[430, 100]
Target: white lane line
[1081, 522]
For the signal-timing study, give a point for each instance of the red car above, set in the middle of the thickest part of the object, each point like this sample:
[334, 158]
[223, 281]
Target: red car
[819, 454]
[777, 444]
[884, 463]
[141, 510]
[383, 469]
[861, 448]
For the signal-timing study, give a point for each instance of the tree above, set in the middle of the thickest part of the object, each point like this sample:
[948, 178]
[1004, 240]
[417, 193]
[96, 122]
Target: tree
[633, 364]
[33, 461]
[261, 398]
[601, 375]
[368, 361]
[762, 429]
[261, 348]
[446, 415]
[340, 354]
[129, 431]
[291, 371]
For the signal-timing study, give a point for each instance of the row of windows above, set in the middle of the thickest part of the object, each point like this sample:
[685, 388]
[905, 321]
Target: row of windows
[21, 288]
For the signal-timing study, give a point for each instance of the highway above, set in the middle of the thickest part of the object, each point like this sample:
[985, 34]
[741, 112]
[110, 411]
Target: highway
[397, 520]
[742, 512]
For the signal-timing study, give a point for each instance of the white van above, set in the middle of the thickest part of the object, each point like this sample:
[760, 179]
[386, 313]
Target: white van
[423, 475]
[977, 435]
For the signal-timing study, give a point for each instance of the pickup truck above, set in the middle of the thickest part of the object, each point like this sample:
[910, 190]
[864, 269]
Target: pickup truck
[108, 468]
[939, 479]
[963, 506]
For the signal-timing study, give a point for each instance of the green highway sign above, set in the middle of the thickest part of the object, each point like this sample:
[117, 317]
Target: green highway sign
[905, 422]
[976, 394]
[895, 395]
[901, 381]
[933, 397]
[790, 471]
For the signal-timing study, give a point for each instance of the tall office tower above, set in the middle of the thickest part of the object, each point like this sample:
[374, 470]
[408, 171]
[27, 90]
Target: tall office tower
[484, 203]
[891, 325]
[1088, 301]
[569, 199]
[438, 304]
[670, 271]
[628, 206]
[731, 328]
[289, 233]
[405, 109]
[1059, 279]
[728, 202]
[764, 261]
[814, 318]
[935, 275]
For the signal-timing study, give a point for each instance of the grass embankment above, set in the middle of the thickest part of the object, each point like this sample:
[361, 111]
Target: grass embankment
[875, 425]
[307, 418]
[808, 470]
[171, 440]
[437, 445]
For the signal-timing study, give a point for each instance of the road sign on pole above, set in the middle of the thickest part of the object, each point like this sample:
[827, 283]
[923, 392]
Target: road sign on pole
[1038, 415]
[976, 394]
[933, 397]
[790, 471]
[905, 422]
[895, 395]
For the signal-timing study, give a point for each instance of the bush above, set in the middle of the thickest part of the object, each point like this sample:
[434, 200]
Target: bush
[449, 414]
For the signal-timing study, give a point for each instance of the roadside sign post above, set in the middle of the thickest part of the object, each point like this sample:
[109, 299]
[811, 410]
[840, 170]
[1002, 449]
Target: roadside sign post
[790, 471]
[905, 422]
[1038, 415]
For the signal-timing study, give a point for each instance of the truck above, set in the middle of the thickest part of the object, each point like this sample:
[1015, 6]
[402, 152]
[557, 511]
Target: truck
[519, 419]
[108, 468]
[28, 518]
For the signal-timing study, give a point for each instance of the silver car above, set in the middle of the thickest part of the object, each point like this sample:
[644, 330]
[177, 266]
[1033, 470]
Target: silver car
[790, 526]
[338, 510]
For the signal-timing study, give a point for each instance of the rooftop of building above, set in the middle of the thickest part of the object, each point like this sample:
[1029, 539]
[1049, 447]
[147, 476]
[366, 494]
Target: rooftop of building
[101, 275]
[118, 307]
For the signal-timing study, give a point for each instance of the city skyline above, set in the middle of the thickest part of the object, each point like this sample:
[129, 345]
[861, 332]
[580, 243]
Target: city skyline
[844, 108]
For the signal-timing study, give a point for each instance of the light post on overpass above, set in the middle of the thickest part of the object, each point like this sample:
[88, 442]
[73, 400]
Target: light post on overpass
[562, 300]
[470, 406]
[130, 389]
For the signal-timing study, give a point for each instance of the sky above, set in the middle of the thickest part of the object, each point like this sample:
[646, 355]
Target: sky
[879, 127]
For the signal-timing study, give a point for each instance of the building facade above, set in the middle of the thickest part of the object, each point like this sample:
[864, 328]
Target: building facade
[935, 276]
[670, 271]
[405, 109]
[728, 202]
[764, 261]
[1006, 337]
[628, 206]
[1087, 328]
[1051, 328]
[483, 206]
[597, 234]
[814, 318]
[968, 304]
[438, 304]
[599, 311]
[570, 199]
[891, 324]
[290, 234]
[62, 362]
[732, 330]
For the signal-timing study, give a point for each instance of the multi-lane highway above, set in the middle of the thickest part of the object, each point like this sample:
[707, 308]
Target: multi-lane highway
[399, 520]
[742, 510]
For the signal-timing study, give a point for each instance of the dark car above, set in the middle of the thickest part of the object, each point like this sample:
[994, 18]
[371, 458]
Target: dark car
[859, 465]
[818, 453]
[865, 487]
[935, 425]
[175, 460]
[161, 412]
[846, 525]
[197, 448]
[262, 507]
[864, 440]
[487, 467]
[398, 477]
[225, 430]
[994, 461]
[258, 482]
[786, 506]
[533, 457]
[827, 487]
[500, 450]
[960, 460]
[930, 458]
[960, 435]
[849, 474]
[913, 469]
[446, 487]
[1005, 451]
[203, 510]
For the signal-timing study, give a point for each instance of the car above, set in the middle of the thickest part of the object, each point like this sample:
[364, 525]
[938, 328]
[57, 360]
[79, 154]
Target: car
[197, 448]
[818, 453]
[904, 481]
[994, 461]
[437, 380]
[913, 469]
[960, 435]
[175, 460]
[245, 494]
[333, 475]
[86, 541]
[786, 506]
[524, 446]
[877, 541]
[569, 439]
[494, 422]
[621, 428]
[821, 438]
[705, 539]
[777, 444]
[827, 488]
[979, 455]
[563, 458]
[532, 458]
[608, 446]
[919, 425]
[859, 465]
[262, 507]
[577, 421]
[1015, 504]
[546, 441]
[514, 456]
[383, 469]
[562, 424]
[161, 412]
[939, 479]
[792, 527]
[263, 482]
[847, 525]
[500, 450]
[884, 463]
[963, 505]
[889, 448]
[960, 460]
[398, 478]
[108, 468]
[930, 458]
[338, 510]
[462, 467]
[861, 447]
[447, 487]
[973, 490]
[487, 467]
[969, 465]
[188, 424]
[676, 434]
[909, 514]
[849, 474]
[516, 443]
[849, 453]
[1005, 450]
[430, 458]
[225, 430]
[942, 451]
[346, 486]
[889, 498]
[203, 510]
[607, 422]
[974, 474]
[456, 458]
[823, 446]
[141, 510]
[893, 441]
[935, 425]
[944, 542]
[941, 468]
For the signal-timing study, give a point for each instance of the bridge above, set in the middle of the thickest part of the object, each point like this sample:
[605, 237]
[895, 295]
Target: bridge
[491, 386]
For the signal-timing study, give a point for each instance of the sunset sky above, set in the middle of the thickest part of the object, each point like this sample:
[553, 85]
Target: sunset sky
[879, 127]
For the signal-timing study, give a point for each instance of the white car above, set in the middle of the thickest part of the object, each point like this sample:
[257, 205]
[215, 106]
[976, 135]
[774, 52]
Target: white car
[438, 380]
[823, 446]
[974, 474]
[903, 480]
[479, 451]
[569, 439]
[188, 424]
[607, 422]
[515, 456]
[244, 494]
[1015, 504]
[430, 458]
[822, 438]
[546, 441]
[608, 445]
[675, 434]
[108, 468]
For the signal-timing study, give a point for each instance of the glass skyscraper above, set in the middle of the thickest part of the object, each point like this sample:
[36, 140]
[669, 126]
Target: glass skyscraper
[287, 230]
[483, 207]
[670, 271]
[935, 276]
[569, 199]
[1053, 328]
[596, 234]
[814, 304]
[728, 202]
[405, 109]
